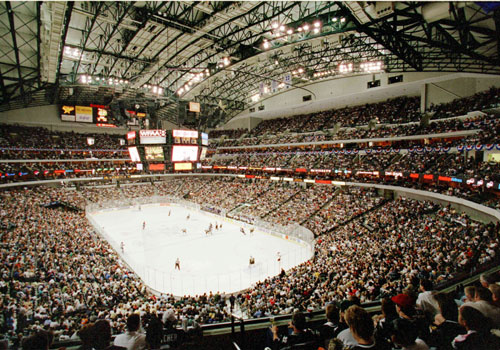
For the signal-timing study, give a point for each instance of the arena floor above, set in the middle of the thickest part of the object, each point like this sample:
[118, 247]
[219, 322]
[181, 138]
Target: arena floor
[217, 262]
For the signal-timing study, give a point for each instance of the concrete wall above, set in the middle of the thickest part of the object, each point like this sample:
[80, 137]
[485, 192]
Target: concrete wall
[243, 123]
[48, 117]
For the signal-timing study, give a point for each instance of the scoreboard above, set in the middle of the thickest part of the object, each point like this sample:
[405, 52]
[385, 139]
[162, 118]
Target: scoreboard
[94, 114]
[161, 149]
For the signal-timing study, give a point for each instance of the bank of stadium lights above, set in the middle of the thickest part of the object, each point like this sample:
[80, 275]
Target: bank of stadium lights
[154, 89]
[72, 52]
[371, 67]
[324, 74]
[88, 79]
[365, 67]
[280, 31]
[298, 71]
[224, 62]
[345, 68]
[195, 78]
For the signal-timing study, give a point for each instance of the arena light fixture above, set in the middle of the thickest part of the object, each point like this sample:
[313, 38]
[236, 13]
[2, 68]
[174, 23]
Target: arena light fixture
[289, 31]
[371, 67]
[275, 25]
[342, 20]
[345, 67]
[306, 27]
[317, 24]
[316, 30]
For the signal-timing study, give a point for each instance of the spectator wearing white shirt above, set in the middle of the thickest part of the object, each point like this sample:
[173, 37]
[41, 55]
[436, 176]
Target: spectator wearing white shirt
[132, 339]
[426, 301]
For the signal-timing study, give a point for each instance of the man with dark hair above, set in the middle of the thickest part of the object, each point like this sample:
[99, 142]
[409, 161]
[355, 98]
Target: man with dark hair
[132, 339]
[38, 341]
[362, 328]
[332, 327]
[299, 332]
[478, 326]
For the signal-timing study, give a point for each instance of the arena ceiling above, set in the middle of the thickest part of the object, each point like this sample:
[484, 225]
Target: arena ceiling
[223, 53]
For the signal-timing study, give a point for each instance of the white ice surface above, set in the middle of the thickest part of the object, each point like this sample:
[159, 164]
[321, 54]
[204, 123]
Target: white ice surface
[219, 262]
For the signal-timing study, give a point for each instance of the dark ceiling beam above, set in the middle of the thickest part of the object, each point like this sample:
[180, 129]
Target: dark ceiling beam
[10, 14]
[115, 27]
[67, 18]
[5, 95]
[222, 40]
[388, 35]
[87, 34]
[449, 45]
[112, 54]
[170, 42]
[38, 41]
[496, 16]
[139, 28]
[462, 26]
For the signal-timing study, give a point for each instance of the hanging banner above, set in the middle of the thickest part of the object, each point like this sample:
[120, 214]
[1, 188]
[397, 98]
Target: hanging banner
[274, 86]
[288, 81]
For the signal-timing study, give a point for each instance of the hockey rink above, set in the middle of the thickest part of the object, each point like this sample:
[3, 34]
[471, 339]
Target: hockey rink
[216, 262]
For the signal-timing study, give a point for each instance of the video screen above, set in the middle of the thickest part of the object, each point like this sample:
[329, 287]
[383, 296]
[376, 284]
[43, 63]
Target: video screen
[203, 153]
[204, 139]
[157, 167]
[184, 153]
[134, 154]
[183, 166]
[154, 153]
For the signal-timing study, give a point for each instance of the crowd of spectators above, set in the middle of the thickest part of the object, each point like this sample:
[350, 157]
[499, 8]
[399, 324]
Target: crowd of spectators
[393, 111]
[460, 106]
[403, 110]
[342, 208]
[39, 137]
[230, 133]
[58, 274]
[487, 128]
[59, 154]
